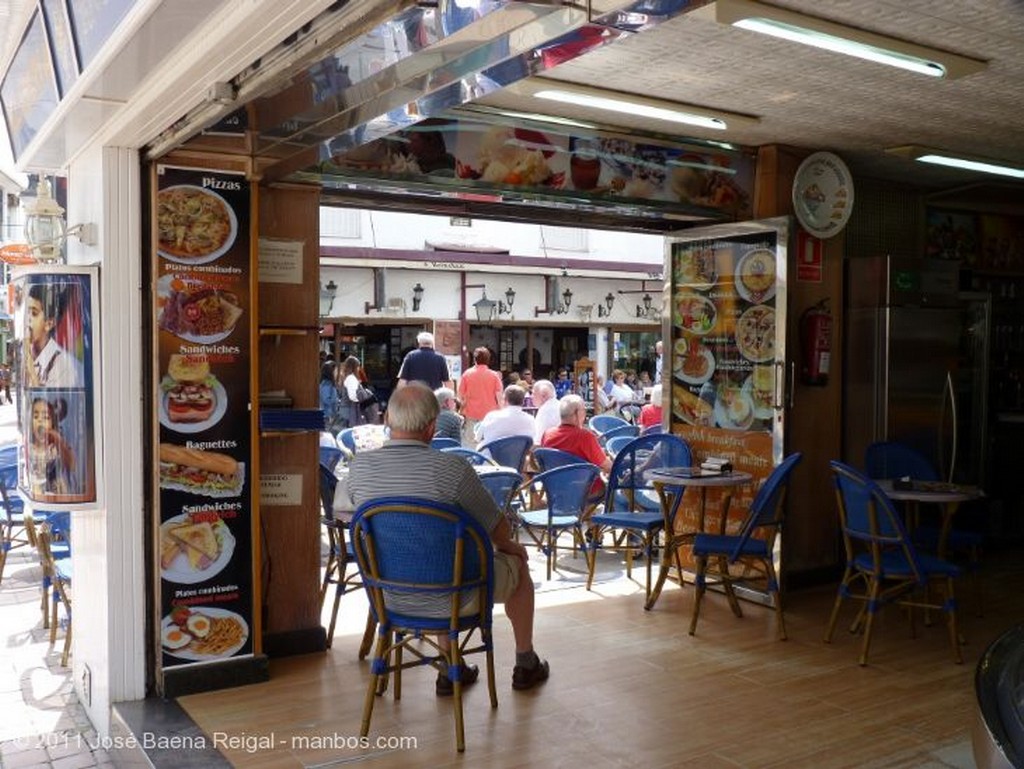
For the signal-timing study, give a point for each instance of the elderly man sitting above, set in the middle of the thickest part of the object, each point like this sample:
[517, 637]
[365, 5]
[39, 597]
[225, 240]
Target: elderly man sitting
[508, 420]
[547, 409]
[573, 437]
[406, 465]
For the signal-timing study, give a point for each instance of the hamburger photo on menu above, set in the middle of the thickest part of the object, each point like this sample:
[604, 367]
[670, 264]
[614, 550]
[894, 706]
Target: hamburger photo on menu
[189, 390]
[195, 471]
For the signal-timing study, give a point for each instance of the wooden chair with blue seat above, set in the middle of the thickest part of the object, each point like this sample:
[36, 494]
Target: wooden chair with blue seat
[565, 494]
[339, 558]
[59, 572]
[632, 514]
[510, 451]
[890, 460]
[428, 569]
[882, 559]
[752, 549]
[13, 533]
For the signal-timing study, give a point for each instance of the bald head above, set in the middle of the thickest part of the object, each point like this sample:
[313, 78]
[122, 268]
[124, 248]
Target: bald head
[412, 412]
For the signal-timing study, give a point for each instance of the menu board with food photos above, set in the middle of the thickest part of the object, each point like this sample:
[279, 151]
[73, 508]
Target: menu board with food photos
[727, 350]
[202, 396]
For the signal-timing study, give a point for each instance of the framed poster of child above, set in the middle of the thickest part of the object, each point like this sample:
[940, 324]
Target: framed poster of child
[55, 315]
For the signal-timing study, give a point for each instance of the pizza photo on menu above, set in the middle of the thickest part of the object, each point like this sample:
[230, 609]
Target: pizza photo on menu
[194, 225]
[755, 334]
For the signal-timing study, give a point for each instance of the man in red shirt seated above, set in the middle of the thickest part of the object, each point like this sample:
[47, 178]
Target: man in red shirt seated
[573, 437]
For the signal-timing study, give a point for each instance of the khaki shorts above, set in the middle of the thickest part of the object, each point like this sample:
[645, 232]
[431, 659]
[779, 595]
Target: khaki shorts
[506, 580]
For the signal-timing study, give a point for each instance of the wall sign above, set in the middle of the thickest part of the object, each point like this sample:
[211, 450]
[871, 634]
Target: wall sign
[202, 397]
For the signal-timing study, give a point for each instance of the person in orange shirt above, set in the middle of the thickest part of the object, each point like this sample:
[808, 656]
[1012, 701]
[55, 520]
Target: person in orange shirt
[480, 392]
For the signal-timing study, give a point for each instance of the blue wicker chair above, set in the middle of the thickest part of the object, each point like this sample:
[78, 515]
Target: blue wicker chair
[881, 558]
[470, 455]
[716, 554]
[891, 459]
[442, 442]
[428, 570]
[565, 492]
[339, 558]
[632, 513]
[510, 451]
[549, 459]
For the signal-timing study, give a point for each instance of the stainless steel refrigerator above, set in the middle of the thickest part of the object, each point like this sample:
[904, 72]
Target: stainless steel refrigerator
[916, 363]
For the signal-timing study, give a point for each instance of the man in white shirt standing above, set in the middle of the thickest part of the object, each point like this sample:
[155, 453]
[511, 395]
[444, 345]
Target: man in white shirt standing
[508, 420]
[547, 415]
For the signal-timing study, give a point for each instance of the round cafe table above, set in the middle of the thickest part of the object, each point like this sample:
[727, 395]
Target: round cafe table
[671, 483]
[947, 496]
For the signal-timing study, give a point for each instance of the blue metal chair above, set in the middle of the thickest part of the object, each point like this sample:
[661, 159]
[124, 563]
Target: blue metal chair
[565, 492]
[602, 423]
[632, 510]
[756, 554]
[444, 443]
[510, 451]
[428, 570]
[881, 557]
[346, 442]
[891, 459]
[652, 429]
[549, 459]
[502, 485]
[339, 557]
[471, 456]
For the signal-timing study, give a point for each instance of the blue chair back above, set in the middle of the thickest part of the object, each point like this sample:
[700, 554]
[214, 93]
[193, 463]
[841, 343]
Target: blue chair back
[889, 459]
[602, 423]
[328, 485]
[444, 443]
[767, 509]
[346, 440]
[415, 556]
[9, 456]
[329, 457]
[501, 485]
[549, 459]
[627, 476]
[652, 429]
[629, 431]
[867, 516]
[471, 456]
[509, 451]
[614, 445]
[567, 488]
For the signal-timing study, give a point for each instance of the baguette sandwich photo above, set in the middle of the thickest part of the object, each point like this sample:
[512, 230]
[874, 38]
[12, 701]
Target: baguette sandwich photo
[206, 473]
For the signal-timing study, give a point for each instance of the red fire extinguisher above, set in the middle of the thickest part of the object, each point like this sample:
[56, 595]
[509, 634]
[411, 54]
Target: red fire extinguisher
[816, 344]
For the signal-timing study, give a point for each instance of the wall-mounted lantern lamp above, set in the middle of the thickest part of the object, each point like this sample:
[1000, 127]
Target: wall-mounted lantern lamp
[45, 229]
[603, 311]
[484, 308]
[417, 296]
[327, 294]
[566, 302]
[647, 308]
[505, 308]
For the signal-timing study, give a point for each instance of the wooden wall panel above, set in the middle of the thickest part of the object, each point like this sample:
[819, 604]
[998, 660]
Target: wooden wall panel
[288, 361]
[811, 539]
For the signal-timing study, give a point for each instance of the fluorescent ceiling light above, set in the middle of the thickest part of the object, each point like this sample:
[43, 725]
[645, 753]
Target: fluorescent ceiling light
[940, 158]
[831, 36]
[639, 106]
